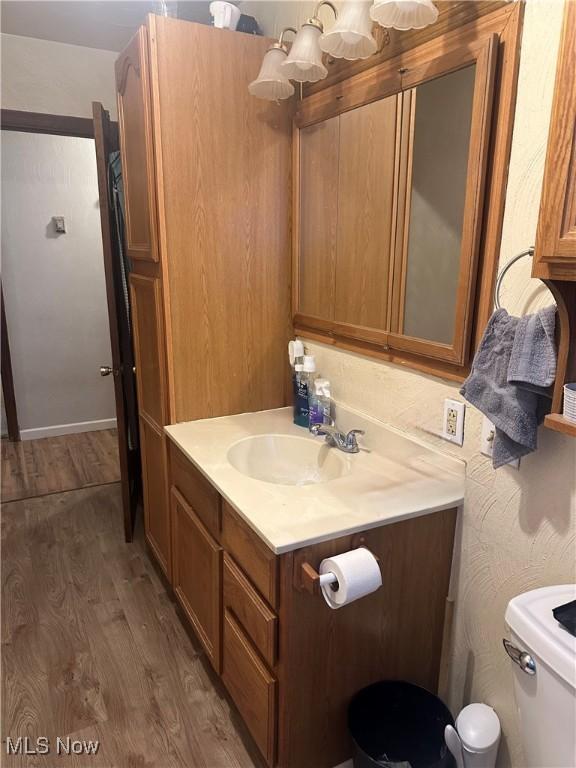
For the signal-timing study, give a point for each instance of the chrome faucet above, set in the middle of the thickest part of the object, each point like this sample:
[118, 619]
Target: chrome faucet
[337, 439]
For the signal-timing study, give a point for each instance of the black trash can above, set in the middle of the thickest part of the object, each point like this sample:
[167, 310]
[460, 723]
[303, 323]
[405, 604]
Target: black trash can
[399, 725]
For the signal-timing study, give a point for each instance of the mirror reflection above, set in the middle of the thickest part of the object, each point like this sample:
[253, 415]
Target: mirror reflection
[442, 111]
[382, 195]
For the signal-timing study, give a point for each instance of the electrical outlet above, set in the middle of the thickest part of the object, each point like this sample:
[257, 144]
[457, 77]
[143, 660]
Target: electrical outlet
[453, 425]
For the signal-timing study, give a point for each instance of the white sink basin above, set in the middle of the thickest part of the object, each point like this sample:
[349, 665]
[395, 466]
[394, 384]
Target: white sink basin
[288, 460]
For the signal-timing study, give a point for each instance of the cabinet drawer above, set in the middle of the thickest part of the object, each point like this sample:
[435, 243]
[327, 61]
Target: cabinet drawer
[253, 614]
[251, 686]
[198, 492]
[197, 575]
[257, 561]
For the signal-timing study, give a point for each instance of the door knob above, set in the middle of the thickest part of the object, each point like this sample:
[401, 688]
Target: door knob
[106, 370]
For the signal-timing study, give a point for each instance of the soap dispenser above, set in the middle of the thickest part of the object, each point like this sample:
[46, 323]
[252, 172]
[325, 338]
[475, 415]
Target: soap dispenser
[320, 404]
[304, 385]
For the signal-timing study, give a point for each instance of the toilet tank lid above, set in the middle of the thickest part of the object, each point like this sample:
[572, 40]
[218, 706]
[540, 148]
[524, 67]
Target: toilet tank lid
[530, 617]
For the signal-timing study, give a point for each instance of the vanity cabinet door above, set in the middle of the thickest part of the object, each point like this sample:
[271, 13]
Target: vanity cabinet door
[146, 301]
[135, 123]
[156, 509]
[555, 254]
[197, 575]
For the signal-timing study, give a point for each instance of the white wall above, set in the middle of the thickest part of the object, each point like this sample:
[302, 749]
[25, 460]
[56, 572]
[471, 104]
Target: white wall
[518, 528]
[54, 286]
[56, 78]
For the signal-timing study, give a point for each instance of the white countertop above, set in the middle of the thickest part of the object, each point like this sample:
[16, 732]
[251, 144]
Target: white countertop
[393, 478]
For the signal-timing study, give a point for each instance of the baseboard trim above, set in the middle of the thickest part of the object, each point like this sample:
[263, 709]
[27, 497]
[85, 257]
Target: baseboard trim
[67, 429]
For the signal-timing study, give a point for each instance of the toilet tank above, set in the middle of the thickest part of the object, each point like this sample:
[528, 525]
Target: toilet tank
[544, 678]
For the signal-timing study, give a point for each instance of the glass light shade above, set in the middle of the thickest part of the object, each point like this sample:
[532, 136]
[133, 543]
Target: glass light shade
[404, 14]
[351, 36]
[304, 62]
[272, 83]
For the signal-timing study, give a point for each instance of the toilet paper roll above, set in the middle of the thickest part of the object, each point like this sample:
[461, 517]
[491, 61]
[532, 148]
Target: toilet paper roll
[358, 574]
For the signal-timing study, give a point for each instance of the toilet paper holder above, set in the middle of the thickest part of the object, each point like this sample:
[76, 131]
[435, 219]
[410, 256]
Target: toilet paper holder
[312, 581]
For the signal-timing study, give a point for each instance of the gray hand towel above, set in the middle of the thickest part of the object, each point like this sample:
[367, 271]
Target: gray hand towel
[533, 358]
[515, 411]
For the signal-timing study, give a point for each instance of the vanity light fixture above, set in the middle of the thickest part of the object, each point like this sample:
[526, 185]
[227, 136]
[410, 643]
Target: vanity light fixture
[351, 37]
[404, 14]
[271, 83]
[304, 62]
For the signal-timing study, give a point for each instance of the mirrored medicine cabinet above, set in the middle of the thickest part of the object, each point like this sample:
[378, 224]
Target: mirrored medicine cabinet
[388, 203]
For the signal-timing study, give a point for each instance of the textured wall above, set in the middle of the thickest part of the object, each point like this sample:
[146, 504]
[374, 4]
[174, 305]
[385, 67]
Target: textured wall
[518, 528]
[55, 78]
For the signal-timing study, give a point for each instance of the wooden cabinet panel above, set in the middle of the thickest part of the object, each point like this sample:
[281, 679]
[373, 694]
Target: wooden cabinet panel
[224, 220]
[250, 610]
[134, 117]
[317, 214]
[367, 207]
[198, 492]
[156, 509]
[196, 575]
[149, 347]
[555, 253]
[257, 561]
[251, 686]
[394, 633]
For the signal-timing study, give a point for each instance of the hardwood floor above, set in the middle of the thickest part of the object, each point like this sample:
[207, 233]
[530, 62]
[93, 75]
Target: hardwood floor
[55, 464]
[92, 646]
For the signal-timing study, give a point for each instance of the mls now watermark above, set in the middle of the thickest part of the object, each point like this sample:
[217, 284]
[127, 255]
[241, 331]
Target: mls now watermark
[42, 745]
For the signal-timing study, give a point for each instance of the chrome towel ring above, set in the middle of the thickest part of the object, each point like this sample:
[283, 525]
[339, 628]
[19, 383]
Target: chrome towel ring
[505, 268]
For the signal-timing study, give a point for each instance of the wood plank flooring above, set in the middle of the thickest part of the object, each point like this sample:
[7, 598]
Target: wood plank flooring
[54, 464]
[93, 648]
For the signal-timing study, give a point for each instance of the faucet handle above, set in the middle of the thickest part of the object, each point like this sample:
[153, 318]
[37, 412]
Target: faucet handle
[351, 437]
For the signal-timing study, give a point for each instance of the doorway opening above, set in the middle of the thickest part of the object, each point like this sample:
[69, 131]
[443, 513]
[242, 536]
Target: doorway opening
[65, 323]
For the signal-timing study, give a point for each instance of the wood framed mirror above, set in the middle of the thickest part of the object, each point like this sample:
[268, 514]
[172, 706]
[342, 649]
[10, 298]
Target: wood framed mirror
[389, 181]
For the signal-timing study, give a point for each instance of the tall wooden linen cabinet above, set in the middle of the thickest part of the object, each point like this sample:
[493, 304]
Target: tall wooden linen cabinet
[206, 172]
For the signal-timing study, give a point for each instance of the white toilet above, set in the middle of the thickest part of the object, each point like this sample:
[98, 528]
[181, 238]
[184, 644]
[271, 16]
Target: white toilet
[544, 676]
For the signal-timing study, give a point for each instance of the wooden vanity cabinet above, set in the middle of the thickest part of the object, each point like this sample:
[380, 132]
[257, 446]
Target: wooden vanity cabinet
[135, 119]
[555, 249]
[196, 575]
[555, 252]
[289, 662]
[197, 331]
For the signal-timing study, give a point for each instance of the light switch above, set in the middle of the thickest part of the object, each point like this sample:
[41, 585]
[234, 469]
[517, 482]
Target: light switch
[487, 441]
[59, 224]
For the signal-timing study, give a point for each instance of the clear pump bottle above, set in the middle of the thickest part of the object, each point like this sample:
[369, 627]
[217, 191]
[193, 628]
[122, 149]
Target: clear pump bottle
[305, 375]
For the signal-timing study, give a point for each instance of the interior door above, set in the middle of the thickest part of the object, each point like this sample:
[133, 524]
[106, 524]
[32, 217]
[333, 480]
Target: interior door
[106, 142]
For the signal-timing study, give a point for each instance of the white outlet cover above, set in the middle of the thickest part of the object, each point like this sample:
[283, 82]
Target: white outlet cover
[457, 436]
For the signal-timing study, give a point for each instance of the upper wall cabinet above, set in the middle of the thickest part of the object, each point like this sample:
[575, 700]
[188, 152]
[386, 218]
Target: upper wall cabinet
[555, 253]
[134, 116]
[389, 196]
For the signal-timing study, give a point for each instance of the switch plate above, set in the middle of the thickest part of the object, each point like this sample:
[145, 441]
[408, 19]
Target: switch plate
[487, 437]
[453, 423]
[487, 442]
[59, 224]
